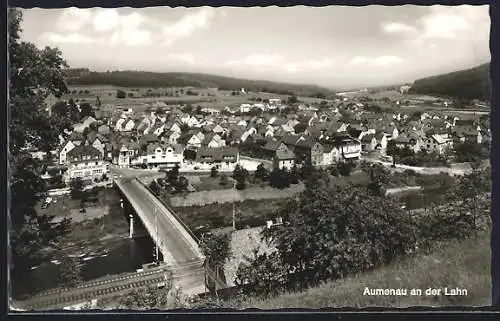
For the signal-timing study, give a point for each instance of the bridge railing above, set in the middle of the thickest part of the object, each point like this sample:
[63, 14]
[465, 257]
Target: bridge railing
[191, 233]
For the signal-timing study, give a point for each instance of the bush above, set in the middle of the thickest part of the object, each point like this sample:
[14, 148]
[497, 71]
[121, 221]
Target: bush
[121, 94]
[345, 168]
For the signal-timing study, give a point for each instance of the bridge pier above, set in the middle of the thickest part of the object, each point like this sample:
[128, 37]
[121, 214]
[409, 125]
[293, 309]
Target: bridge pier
[131, 228]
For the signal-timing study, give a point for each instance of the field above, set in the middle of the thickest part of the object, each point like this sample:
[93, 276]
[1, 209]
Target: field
[463, 264]
[232, 195]
[251, 213]
[206, 97]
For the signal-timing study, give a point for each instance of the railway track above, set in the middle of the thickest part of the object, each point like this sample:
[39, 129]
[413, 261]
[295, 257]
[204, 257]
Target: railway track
[57, 299]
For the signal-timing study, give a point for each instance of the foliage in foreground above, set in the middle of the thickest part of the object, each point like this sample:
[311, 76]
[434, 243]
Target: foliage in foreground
[332, 233]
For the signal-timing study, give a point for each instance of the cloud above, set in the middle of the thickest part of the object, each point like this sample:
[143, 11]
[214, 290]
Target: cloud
[358, 60]
[188, 24]
[443, 25]
[257, 60]
[73, 19]
[127, 31]
[380, 61]
[396, 27]
[106, 19]
[186, 57]
[309, 65]
[72, 38]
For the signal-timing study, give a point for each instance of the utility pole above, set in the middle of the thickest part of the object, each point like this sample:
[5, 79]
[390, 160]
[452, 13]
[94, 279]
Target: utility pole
[234, 209]
[157, 239]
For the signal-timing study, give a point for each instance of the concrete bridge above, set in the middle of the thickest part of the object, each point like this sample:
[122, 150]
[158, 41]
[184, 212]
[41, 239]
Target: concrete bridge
[176, 242]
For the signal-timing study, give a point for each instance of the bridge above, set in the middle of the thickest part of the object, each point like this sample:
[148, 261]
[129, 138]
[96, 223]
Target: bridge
[182, 258]
[176, 242]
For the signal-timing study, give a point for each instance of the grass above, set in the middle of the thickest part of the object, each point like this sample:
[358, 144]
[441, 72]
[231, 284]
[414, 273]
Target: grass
[217, 99]
[463, 264]
[256, 192]
[208, 183]
[249, 212]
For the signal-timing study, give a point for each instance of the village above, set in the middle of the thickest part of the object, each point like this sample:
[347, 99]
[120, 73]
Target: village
[275, 132]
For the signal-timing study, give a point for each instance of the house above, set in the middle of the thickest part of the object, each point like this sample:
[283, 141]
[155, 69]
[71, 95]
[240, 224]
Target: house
[412, 142]
[283, 158]
[382, 140]
[331, 154]
[194, 141]
[213, 140]
[245, 108]
[305, 149]
[438, 143]
[124, 125]
[163, 155]
[125, 153]
[66, 148]
[349, 147]
[368, 143]
[217, 156]
[218, 129]
[85, 162]
[466, 134]
[171, 137]
[97, 141]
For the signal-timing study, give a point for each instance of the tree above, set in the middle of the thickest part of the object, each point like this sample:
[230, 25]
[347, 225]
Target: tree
[34, 75]
[379, 178]
[86, 110]
[213, 172]
[279, 178]
[223, 180]
[121, 94]
[69, 272]
[240, 174]
[76, 188]
[294, 175]
[292, 100]
[392, 150]
[345, 168]
[217, 250]
[172, 176]
[326, 237]
[198, 110]
[261, 172]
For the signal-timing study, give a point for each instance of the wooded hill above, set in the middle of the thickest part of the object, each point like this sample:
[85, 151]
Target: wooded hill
[181, 79]
[470, 84]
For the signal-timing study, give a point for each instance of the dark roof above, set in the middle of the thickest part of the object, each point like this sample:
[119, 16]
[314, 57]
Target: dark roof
[82, 150]
[285, 155]
[271, 145]
[217, 154]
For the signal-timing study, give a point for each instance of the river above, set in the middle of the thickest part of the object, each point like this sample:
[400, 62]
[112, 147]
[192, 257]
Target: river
[102, 247]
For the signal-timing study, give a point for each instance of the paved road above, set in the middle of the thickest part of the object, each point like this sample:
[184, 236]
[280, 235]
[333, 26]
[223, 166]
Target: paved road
[179, 247]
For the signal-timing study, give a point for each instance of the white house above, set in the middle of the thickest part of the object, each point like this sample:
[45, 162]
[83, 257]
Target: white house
[245, 108]
[85, 162]
[165, 155]
[67, 147]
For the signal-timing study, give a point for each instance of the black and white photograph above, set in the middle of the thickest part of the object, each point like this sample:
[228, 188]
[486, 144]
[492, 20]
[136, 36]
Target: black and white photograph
[263, 157]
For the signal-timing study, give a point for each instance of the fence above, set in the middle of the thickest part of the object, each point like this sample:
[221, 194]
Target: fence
[172, 212]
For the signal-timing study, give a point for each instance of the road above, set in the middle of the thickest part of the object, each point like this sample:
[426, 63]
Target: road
[180, 249]
[421, 170]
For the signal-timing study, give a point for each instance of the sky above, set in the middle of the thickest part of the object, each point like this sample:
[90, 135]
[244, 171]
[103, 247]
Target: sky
[336, 46]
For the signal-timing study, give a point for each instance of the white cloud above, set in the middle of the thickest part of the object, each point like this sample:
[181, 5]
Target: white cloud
[396, 27]
[73, 19]
[257, 60]
[106, 19]
[383, 61]
[309, 65]
[189, 23]
[358, 60]
[380, 61]
[186, 57]
[72, 38]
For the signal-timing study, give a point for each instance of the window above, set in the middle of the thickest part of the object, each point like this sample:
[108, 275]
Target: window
[97, 163]
[153, 157]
